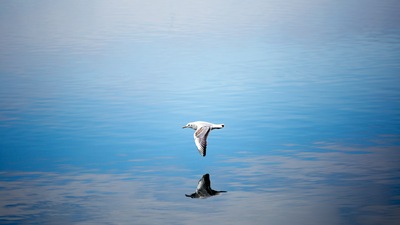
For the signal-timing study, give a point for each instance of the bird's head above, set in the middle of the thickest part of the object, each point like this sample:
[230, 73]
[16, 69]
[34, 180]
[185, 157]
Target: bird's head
[189, 125]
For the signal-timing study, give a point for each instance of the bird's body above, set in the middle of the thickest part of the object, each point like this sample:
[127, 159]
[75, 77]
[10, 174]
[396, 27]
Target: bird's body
[203, 189]
[202, 129]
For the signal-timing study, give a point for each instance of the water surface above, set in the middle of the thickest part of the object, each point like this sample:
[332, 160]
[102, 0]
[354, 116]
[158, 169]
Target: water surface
[93, 96]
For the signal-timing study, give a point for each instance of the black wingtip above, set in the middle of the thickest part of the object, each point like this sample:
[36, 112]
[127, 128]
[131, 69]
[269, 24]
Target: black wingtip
[203, 152]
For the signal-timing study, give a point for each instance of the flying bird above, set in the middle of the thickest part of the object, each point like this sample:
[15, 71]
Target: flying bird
[202, 129]
[203, 189]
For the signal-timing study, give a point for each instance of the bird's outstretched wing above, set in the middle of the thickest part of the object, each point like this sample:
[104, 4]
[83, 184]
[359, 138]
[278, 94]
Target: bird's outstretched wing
[200, 138]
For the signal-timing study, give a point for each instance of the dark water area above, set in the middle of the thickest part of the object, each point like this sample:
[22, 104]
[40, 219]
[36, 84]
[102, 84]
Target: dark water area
[94, 94]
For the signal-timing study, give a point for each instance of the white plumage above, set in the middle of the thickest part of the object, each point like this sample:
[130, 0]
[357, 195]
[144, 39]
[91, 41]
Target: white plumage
[202, 129]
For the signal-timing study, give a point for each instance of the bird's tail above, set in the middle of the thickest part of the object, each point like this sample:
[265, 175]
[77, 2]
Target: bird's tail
[218, 126]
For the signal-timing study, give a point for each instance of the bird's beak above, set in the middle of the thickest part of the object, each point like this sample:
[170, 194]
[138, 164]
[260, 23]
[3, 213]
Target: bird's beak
[184, 126]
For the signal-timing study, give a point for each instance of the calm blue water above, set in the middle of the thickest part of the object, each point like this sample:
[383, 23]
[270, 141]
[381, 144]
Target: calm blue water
[93, 95]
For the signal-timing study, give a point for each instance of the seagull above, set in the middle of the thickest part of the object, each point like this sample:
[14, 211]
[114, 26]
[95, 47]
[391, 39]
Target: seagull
[202, 130]
[203, 189]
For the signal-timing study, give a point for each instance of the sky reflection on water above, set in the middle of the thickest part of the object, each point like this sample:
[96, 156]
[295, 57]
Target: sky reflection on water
[337, 185]
[93, 96]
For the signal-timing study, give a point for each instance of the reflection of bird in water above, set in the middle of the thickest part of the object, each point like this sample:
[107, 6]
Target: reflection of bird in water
[203, 189]
[202, 130]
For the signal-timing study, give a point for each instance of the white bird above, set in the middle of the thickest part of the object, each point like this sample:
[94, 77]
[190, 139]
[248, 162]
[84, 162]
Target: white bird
[203, 189]
[202, 130]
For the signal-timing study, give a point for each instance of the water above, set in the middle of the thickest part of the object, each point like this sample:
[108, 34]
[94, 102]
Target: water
[93, 96]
